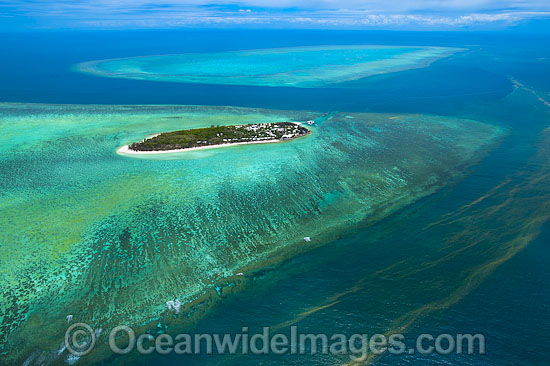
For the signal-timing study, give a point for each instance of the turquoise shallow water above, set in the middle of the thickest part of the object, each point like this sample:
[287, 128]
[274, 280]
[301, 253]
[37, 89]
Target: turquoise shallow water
[110, 239]
[92, 233]
[319, 66]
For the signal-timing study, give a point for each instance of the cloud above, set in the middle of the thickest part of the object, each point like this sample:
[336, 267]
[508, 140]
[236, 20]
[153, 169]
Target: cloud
[308, 13]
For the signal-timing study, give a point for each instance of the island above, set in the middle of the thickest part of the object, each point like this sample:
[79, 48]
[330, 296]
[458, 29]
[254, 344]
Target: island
[215, 136]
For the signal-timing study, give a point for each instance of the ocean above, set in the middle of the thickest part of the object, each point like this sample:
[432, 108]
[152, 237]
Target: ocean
[469, 255]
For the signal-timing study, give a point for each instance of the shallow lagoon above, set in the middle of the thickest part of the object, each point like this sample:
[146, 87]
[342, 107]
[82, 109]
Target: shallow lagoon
[306, 67]
[110, 239]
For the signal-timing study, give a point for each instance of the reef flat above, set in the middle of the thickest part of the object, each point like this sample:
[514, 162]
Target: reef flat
[306, 67]
[110, 240]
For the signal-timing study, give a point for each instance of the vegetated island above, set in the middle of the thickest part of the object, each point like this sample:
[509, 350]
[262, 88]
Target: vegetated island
[215, 136]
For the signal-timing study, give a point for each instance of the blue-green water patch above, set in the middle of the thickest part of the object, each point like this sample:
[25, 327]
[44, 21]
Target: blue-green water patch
[307, 67]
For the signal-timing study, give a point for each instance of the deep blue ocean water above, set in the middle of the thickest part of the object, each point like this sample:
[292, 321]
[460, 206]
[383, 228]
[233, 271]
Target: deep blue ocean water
[511, 308]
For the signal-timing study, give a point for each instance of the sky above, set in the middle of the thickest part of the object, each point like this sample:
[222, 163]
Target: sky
[320, 14]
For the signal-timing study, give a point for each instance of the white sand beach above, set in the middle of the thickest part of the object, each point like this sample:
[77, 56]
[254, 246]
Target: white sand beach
[125, 150]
